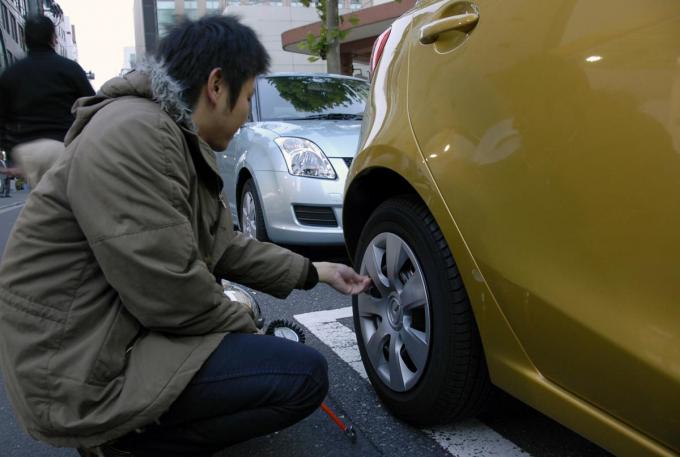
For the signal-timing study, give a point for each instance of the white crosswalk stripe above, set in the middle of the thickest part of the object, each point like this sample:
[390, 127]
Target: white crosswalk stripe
[14, 207]
[465, 439]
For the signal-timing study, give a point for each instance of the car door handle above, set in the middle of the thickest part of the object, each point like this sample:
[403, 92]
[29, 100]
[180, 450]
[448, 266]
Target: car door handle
[429, 33]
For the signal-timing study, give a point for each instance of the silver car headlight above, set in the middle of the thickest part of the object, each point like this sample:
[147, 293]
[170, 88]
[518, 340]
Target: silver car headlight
[304, 158]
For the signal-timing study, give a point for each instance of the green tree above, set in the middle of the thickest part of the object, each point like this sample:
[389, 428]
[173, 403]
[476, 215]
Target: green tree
[326, 46]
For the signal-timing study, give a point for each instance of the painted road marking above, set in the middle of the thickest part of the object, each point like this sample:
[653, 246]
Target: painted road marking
[11, 208]
[340, 338]
[465, 439]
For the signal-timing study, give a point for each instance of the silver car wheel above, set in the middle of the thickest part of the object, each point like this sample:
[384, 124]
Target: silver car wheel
[395, 314]
[249, 215]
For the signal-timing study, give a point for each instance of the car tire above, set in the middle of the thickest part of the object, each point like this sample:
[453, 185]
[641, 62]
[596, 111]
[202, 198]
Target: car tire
[442, 376]
[251, 217]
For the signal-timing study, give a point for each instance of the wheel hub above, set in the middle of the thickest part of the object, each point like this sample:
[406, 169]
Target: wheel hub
[395, 312]
[248, 216]
[397, 345]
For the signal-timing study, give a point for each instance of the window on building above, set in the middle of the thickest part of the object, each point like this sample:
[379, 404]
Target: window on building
[2, 55]
[13, 28]
[213, 7]
[21, 6]
[5, 17]
[165, 12]
[22, 38]
[191, 9]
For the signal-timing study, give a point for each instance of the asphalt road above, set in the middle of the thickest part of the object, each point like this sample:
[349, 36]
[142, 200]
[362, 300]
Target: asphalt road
[510, 428]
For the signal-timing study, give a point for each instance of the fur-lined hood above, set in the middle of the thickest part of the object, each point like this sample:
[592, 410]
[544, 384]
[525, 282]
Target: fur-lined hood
[149, 80]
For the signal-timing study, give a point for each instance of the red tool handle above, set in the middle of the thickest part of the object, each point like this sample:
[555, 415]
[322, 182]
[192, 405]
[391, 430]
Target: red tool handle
[335, 418]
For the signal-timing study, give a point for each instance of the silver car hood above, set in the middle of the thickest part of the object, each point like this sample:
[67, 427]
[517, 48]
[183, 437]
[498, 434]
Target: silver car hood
[335, 138]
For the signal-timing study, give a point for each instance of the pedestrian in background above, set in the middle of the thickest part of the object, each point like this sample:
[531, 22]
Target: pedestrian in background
[36, 97]
[116, 336]
[5, 176]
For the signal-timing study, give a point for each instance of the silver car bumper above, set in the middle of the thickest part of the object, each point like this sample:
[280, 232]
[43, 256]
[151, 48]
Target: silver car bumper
[294, 207]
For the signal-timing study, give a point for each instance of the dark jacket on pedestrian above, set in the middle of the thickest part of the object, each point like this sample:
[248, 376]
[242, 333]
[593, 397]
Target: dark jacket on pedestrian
[36, 97]
[109, 299]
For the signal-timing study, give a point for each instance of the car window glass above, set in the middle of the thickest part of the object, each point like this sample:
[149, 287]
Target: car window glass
[315, 97]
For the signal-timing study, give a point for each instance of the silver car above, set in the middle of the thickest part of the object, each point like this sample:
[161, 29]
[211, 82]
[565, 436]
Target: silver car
[284, 171]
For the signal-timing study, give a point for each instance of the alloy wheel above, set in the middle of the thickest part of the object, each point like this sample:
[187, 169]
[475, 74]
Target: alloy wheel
[249, 216]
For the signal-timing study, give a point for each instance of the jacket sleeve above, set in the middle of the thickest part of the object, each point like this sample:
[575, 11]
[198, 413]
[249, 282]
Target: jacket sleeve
[128, 188]
[262, 266]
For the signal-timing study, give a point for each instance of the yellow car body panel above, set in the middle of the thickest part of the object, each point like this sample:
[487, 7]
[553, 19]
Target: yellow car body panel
[545, 141]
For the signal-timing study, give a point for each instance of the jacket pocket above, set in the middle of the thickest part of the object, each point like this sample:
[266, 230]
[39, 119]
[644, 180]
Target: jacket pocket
[113, 353]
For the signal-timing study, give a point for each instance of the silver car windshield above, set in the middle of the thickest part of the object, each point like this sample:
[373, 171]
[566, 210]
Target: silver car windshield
[285, 98]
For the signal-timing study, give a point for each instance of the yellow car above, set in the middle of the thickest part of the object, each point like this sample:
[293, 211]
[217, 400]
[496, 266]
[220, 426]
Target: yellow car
[516, 200]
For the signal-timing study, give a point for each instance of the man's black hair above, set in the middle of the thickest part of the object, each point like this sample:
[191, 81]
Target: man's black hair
[39, 32]
[192, 49]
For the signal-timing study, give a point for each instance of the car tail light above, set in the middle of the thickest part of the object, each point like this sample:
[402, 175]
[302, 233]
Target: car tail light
[378, 48]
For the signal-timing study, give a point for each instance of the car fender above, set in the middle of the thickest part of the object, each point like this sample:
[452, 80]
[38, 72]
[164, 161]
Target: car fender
[401, 171]
[261, 152]
[259, 155]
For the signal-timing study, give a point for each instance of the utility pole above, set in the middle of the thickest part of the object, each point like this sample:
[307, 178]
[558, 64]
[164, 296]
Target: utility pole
[333, 25]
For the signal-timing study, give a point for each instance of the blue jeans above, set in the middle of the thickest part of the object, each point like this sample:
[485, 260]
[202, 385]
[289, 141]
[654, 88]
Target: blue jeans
[252, 385]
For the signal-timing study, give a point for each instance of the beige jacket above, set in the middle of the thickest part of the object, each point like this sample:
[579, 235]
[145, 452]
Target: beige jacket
[109, 301]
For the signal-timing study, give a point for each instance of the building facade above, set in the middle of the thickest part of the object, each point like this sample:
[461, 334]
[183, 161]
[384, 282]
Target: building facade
[269, 19]
[66, 36]
[129, 59]
[13, 15]
[374, 17]
[154, 17]
[12, 19]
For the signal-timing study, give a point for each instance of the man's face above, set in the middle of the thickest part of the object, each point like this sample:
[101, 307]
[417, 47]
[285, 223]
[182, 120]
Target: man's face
[225, 121]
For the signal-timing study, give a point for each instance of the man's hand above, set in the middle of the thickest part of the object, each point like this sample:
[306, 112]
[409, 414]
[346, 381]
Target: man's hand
[342, 278]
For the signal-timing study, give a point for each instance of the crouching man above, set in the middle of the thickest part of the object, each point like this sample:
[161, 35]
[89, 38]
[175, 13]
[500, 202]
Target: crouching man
[115, 336]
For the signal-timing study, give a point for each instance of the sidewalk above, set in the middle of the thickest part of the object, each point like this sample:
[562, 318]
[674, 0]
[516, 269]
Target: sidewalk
[16, 198]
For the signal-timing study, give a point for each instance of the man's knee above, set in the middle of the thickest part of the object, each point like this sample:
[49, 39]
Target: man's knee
[320, 374]
[315, 387]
